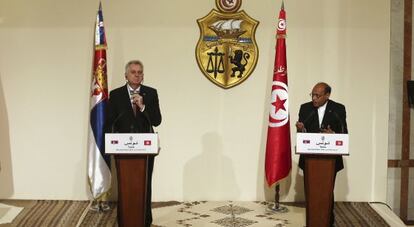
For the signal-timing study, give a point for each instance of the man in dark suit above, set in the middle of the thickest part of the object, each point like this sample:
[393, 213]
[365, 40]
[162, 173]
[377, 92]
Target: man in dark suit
[134, 108]
[322, 115]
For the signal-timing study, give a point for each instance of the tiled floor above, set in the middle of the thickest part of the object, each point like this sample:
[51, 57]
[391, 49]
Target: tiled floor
[234, 214]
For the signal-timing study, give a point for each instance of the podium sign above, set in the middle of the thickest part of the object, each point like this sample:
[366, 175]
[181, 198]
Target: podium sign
[131, 143]
[322, 143]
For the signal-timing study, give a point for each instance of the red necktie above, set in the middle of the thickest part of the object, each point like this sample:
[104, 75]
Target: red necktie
[134, 108]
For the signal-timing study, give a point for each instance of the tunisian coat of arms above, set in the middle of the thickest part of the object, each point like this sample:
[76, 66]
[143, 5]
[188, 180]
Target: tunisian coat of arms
[227, 52]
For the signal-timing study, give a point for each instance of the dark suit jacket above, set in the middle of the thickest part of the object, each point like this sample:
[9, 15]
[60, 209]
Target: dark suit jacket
[120, 115]
[335, 117]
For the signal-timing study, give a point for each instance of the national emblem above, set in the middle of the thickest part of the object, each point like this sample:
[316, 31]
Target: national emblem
[227, 52]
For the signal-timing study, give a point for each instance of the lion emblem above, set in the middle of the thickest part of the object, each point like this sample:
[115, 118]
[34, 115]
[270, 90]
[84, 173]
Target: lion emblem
[240, 67]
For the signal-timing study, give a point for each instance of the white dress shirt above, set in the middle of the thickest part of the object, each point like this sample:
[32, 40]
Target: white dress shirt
[321, 113]
[131, 91]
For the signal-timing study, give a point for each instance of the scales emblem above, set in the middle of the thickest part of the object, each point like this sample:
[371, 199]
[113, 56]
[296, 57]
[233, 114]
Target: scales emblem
[227, 52]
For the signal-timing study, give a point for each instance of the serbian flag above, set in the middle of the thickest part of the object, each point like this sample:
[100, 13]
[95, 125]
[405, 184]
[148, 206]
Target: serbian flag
[278, 153]
[98, 163]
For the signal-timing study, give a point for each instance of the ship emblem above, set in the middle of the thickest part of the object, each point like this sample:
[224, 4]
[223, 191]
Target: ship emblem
[227, 52]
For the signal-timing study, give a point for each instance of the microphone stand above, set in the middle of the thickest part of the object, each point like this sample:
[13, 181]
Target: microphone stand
[150, 129]
[116, 121]
[340, 120]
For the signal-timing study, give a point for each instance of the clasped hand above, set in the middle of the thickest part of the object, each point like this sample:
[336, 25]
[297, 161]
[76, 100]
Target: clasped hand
[138, 100]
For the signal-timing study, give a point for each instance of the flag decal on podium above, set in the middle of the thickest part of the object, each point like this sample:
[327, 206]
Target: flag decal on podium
[98, 163]
[339, 143]
[278, 152]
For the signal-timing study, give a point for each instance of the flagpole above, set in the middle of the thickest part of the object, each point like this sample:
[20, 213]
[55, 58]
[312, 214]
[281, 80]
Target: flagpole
[276, 207]
[278, 151]
[277, 204]
[99, 172]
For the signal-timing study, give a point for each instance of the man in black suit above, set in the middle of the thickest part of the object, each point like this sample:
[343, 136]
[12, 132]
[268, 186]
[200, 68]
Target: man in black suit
[322, 115]
[134, 108]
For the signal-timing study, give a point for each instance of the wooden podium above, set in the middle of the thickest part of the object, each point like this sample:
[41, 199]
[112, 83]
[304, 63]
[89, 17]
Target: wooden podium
[320, 151]
[132, 185]
[132, 153]
[319, 186]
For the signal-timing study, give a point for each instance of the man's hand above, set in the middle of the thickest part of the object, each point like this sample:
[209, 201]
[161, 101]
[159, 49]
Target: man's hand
[327, 130]
[138, 100]
[300, 127]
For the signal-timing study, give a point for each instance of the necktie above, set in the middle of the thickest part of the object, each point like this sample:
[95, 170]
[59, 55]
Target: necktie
[134, 106]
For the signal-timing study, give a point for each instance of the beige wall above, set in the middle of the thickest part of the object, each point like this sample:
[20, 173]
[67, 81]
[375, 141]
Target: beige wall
[213, 140]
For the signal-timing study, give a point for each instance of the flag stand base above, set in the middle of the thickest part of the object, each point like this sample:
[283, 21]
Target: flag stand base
[100, 206]
[277, 208]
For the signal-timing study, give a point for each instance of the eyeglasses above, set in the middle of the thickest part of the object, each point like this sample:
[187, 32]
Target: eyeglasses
[316, 95]
[139, 72]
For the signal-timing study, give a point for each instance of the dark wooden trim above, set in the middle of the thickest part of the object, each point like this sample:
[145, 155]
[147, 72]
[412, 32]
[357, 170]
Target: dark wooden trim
[409, 222]
[400, 163]
[404, 194]
[405, 152]
[393, 163]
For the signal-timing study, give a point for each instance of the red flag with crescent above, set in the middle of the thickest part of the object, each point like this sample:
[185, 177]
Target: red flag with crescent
[278, 161]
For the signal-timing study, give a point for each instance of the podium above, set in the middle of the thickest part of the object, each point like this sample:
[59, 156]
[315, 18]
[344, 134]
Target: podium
[320, 151]
[132, 153]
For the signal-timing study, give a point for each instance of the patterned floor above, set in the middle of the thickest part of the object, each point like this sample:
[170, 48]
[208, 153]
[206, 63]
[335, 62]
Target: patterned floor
[227, 214]
[185, 214]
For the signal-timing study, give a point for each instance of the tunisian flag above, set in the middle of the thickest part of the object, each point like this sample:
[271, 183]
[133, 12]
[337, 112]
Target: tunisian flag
[278, 152]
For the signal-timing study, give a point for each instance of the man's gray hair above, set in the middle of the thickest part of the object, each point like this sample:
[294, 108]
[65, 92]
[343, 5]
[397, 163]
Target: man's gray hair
[133, 62]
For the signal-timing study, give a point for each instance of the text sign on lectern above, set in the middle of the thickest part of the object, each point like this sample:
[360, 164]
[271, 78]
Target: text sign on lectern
[322, 143]
[131, 143]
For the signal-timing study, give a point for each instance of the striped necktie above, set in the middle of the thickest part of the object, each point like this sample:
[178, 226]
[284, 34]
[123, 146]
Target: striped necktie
[134, 106]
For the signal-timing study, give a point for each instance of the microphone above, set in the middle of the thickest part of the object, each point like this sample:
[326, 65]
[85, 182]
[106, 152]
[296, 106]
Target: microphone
[307, 119]
[135, 92]
[339, 119]
[116, 121]
[151, 130]
[309, 116]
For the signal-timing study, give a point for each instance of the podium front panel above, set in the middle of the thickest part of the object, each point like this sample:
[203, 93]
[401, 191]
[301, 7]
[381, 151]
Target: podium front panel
[322, 143]
[131, 143]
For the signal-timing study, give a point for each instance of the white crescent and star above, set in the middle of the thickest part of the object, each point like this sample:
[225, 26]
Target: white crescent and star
[279, 110]
[228, 4]
[281, 26]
